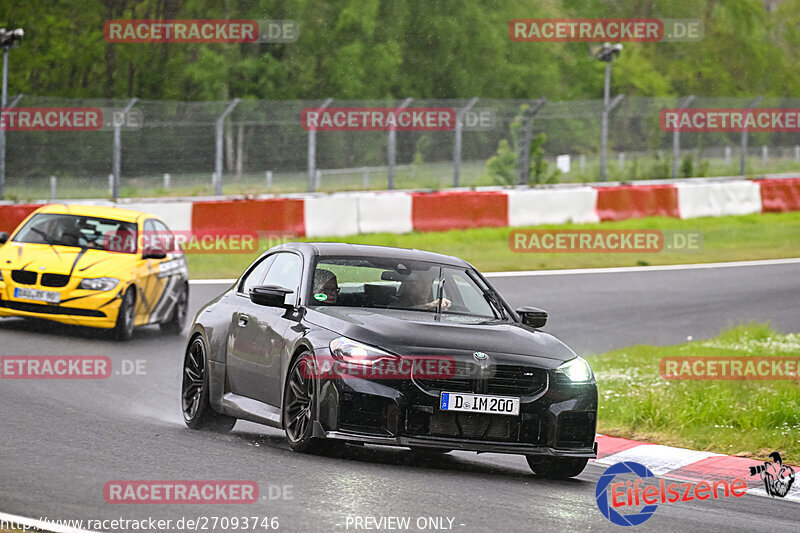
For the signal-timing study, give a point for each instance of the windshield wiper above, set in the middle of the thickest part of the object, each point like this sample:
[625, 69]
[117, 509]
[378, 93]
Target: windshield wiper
[44, 235]
[489, 295]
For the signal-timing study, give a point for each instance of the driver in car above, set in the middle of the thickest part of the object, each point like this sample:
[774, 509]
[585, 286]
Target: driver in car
[57, 230]
[415, 293]
[326, 286]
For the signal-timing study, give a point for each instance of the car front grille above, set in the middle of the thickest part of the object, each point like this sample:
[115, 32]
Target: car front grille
[517, 381]
[576, 428]
[472, 426]
[526, 428]
[47, 309]
[364, 413]
[507, 380]
[55, 280]
[24, 277]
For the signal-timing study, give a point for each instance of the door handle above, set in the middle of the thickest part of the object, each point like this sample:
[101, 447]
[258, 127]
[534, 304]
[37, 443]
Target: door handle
[243, 320]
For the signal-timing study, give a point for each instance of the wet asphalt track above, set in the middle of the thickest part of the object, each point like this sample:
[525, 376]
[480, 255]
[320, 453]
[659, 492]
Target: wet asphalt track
[61, 441]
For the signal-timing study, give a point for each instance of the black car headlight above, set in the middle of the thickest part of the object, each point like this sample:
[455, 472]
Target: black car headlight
[351, 351]
[98, 284]
[575, 371]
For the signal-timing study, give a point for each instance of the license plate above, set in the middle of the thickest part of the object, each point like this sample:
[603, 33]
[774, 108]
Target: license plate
[479, 403]
[37, 294]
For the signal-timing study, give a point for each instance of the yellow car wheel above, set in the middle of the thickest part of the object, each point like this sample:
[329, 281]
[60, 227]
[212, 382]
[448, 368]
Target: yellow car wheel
[123, 330]
[177, 320]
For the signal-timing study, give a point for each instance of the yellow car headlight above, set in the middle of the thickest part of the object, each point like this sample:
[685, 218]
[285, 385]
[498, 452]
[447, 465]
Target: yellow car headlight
[98, 284]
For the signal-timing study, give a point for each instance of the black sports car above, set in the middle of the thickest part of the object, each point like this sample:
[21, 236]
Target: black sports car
[340, 343]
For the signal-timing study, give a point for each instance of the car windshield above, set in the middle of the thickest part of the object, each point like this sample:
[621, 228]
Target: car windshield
[409, 285]
[79, 231]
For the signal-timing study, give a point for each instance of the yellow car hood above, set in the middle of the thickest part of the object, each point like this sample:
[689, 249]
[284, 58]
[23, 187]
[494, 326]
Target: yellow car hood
[84, 263]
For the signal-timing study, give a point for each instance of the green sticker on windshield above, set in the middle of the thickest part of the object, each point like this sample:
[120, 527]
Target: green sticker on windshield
[321, 297]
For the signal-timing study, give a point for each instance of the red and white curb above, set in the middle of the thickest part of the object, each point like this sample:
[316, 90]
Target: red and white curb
[685, 464]
[352, 213]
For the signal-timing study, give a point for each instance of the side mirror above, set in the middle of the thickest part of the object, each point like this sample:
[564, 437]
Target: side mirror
[269, 295]
[154, 253]
[3, 237]
[532, 316]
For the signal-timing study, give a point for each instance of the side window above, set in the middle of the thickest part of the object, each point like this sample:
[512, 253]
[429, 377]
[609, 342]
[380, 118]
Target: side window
[160, 235]
[161, 228]
[285, 272]
[147, 240]
[256, 275]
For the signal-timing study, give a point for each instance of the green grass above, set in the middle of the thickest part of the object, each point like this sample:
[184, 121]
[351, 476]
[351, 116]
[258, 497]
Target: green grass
[744, 418]
[735, 238]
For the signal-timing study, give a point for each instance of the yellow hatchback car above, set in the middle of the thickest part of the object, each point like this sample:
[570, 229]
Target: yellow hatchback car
[91, 266]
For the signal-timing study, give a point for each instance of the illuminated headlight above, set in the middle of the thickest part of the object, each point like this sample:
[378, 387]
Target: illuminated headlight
[355, 352]
[98, 284]
[576, 370]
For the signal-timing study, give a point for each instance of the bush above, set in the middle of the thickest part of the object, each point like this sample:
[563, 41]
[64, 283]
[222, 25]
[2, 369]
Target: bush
[502, 167]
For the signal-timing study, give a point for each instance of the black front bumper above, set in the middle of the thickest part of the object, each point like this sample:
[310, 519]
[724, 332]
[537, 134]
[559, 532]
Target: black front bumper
[557, 419]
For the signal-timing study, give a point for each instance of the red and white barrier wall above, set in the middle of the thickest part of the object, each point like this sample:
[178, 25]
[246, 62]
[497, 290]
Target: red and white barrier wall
[343, 214]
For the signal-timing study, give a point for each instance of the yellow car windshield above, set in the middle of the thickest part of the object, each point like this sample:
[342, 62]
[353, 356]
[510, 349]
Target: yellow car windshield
[79, 231]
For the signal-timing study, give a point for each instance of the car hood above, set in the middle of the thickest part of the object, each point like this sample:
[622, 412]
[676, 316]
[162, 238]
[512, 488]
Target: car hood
[419, 333]
[86, 263]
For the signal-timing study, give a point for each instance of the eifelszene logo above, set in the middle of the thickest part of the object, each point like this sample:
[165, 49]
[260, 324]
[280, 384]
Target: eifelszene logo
[607, 507]
[611, 496]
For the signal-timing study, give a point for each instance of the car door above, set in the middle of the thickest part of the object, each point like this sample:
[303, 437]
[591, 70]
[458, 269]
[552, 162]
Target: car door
[149, 283]
[256, 336]
[172, 272]
[273, 323]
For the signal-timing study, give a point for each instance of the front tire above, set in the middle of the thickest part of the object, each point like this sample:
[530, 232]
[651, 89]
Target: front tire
[556, 467]
[123, 330]
[197, 413]
[298, 406]
[177, 319]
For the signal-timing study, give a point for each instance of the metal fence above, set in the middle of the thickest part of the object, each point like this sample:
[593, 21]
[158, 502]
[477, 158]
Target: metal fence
[253, 146]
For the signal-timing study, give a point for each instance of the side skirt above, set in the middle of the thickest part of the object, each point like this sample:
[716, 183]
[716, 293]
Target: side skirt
[252, 410]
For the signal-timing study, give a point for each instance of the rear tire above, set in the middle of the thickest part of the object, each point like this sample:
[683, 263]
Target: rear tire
[177, 320]
[123, 330]
[197, 413]
[556, 467]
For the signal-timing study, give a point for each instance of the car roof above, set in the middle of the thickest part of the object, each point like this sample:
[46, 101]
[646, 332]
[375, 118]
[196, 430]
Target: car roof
[341, 249]
[100, 211]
